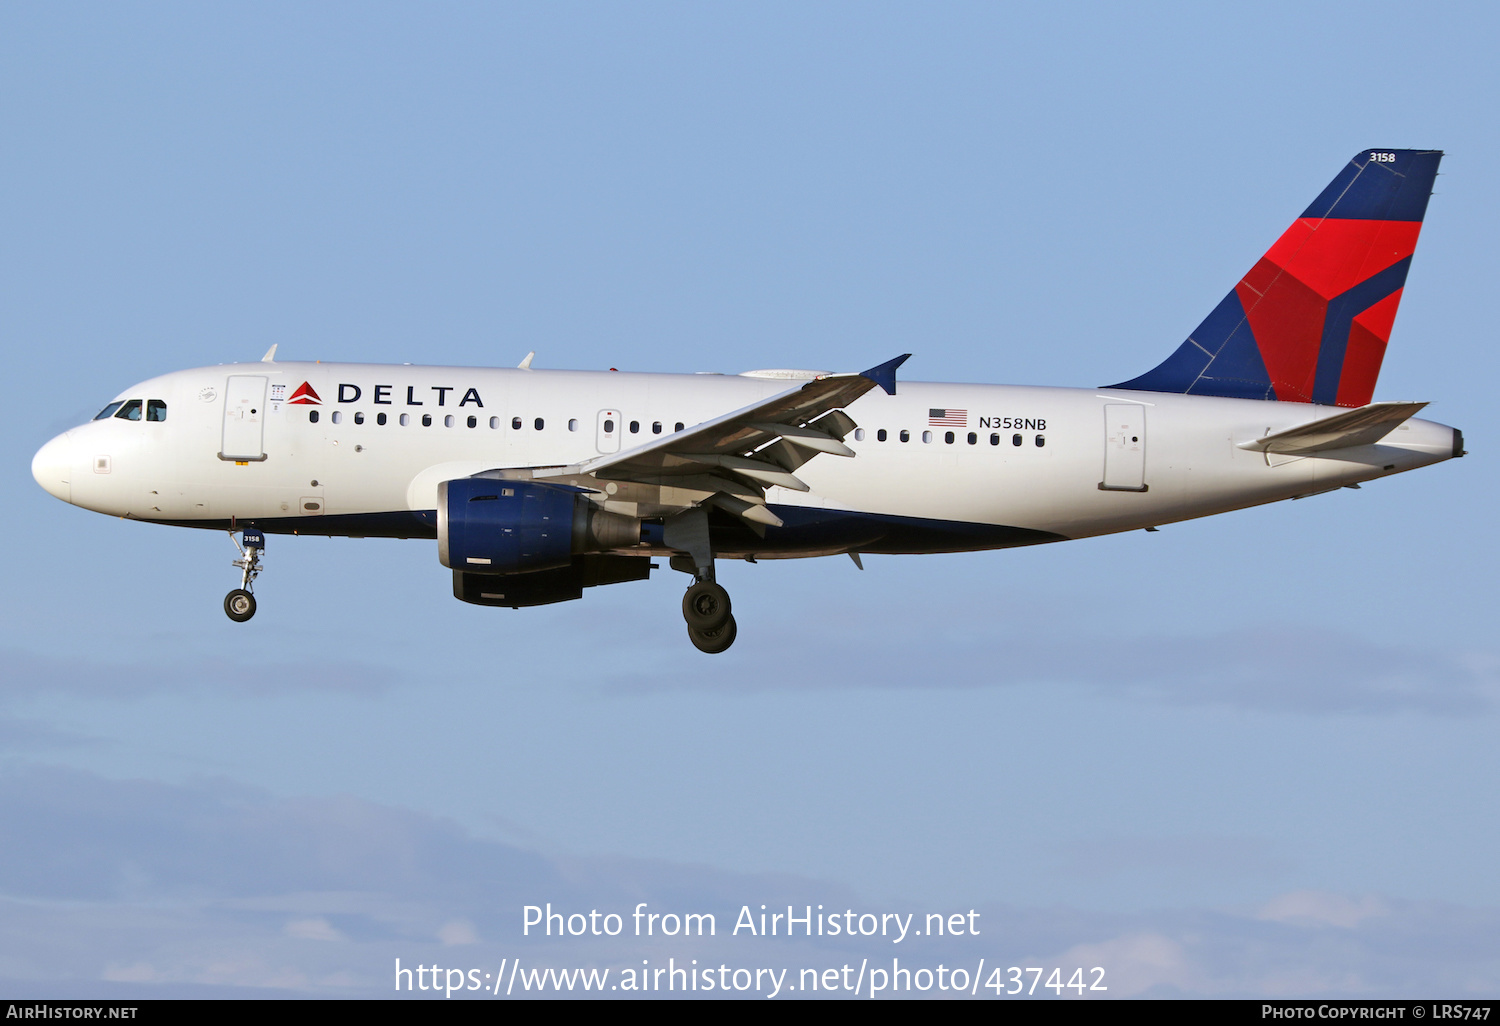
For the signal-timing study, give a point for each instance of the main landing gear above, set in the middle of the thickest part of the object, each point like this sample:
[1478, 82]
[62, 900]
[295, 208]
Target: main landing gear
[239, 604]
[705, 607]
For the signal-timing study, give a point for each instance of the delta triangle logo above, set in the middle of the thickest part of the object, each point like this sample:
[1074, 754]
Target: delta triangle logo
[304, 396]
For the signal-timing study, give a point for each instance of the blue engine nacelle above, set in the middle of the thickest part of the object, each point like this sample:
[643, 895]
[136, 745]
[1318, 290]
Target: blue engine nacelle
[493, 526]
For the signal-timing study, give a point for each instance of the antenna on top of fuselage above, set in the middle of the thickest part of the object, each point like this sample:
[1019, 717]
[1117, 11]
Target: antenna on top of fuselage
[270, 356]
[526, 363]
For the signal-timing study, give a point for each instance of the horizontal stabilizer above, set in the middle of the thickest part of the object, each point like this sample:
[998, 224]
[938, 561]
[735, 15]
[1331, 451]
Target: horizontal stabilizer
[1364, 426]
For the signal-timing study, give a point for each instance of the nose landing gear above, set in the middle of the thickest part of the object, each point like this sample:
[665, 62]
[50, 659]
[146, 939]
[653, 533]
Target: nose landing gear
[239, 604]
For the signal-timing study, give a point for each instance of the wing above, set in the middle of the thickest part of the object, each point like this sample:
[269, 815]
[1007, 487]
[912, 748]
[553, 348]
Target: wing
[735, 457]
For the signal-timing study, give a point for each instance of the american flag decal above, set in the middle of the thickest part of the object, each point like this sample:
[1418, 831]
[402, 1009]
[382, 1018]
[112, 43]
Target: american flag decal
[947, 418]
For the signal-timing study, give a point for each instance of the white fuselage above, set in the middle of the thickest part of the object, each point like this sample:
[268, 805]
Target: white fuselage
[1028, 458]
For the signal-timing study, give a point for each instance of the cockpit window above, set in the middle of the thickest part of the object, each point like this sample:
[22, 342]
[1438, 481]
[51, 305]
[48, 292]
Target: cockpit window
[109, 411]
[130, 411]
[156, 409]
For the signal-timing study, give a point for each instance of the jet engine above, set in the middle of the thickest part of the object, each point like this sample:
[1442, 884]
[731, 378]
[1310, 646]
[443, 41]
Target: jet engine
[493, 526]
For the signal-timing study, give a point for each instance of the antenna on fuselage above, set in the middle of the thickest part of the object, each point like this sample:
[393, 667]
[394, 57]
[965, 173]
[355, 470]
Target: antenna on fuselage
[526, 363]
[270, 356]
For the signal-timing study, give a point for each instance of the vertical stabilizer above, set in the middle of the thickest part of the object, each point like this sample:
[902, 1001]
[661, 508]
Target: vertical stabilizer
[1311, 320]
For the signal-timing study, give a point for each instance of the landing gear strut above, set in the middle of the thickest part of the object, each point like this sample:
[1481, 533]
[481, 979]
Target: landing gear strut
[239, 604]
[705, 607]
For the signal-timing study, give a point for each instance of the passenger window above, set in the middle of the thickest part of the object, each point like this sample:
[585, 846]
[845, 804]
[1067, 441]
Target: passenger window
[130, 411]
[1015, 439]
[678, 427]
[635, 427]
[427, 420]
[405, 420]
[656, 427]
[994, 439]
[948, 438]
[156, 410]
[880, 435]
[973, 438]
[927, 436]
[905, 435]
[473, 421]
[609, 427]
[859, 434]
[359, 418]
[539, 423]
[515, 423]
[572, 425]
[338, 417]
[448, 420]
[494, 422]
[380, 419]
[1041, 440]
[312, 416]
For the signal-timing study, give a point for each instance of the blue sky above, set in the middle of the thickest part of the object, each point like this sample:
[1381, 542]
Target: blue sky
[1250, 755]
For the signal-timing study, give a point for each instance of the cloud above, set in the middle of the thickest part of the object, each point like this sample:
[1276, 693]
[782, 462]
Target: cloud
[316, 928]
[1269, 668]
[1322, 908]
[143, 889]
[27, 675]
[458, 931]
[31, 735]
[1219, 856]
[1346, 947]
[1138, 962]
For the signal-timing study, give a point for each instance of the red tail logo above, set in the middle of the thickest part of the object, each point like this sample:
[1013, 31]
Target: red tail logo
[304, 396]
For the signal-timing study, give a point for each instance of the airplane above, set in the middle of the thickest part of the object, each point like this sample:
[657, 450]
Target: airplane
[539, 484]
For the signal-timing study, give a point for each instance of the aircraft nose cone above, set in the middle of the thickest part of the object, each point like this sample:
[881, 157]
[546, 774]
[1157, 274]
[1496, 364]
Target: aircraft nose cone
[52, 466]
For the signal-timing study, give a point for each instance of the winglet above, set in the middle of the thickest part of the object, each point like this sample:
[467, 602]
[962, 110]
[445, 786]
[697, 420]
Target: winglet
[270, 356]
[885, 374]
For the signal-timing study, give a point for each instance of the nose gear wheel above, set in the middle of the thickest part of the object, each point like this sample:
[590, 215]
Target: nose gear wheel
[239, 604]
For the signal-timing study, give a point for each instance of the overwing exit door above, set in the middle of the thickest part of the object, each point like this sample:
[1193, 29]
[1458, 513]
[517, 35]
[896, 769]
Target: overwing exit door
[609, 431]
[244, 418]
